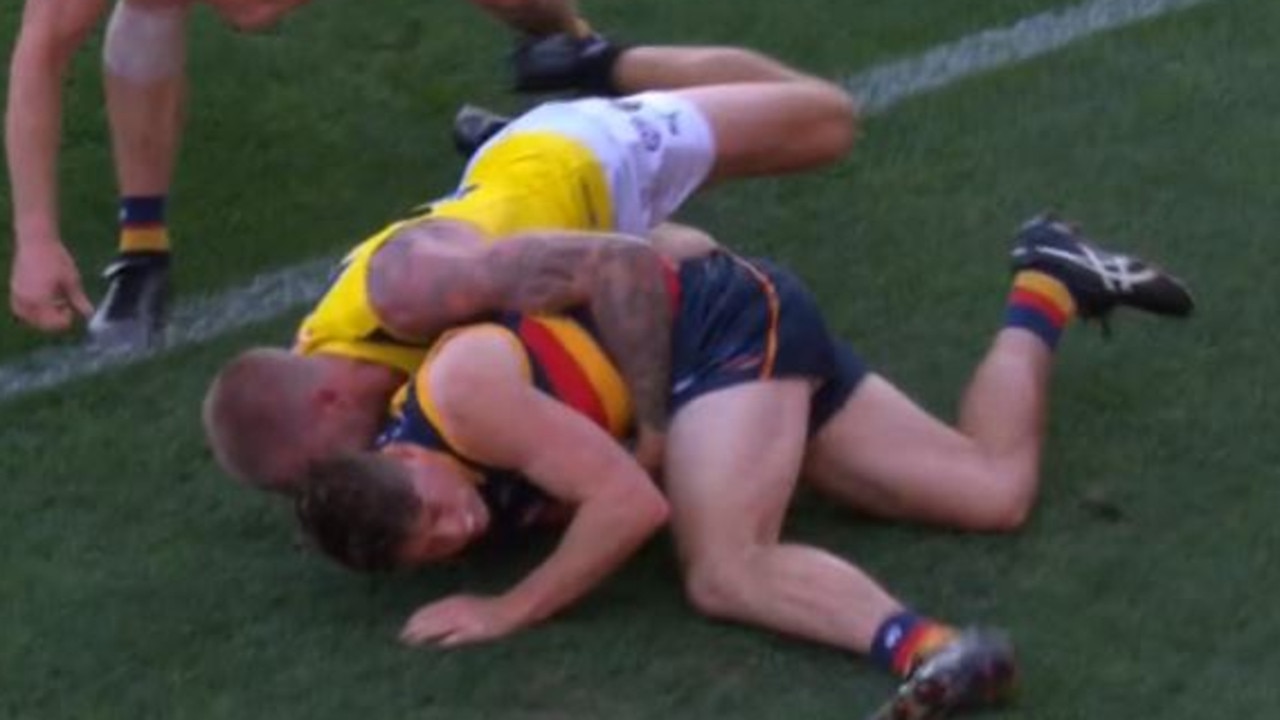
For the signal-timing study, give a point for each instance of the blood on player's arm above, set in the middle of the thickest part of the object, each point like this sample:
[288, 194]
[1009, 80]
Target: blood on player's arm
[422, 283]
[483, 384]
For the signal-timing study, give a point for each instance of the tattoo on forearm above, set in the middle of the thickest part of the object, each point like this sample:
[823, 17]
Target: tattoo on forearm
[623, 283]
[420, 292]
[633, 314]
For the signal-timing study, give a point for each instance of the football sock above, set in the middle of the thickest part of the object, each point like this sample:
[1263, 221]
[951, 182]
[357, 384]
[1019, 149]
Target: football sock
[905, 639]
[596, 60]
[1041, 304]
[142, 225]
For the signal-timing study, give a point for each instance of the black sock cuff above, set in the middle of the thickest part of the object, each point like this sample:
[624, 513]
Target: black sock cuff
[597, 69]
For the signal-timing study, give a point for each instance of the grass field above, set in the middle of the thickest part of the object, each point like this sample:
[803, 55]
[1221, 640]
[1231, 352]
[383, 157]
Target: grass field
[136, 582]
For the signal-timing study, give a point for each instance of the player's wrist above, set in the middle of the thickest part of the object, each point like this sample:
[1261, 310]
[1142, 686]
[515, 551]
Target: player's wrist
[518, 607]
[36, 232]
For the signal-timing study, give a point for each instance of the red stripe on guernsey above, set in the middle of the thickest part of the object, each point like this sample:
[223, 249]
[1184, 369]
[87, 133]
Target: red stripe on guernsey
[672, 276]
[1023, 296]
[568, 381]
[143, 224]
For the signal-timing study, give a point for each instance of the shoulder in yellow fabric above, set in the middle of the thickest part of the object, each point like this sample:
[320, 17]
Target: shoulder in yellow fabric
[525, 182]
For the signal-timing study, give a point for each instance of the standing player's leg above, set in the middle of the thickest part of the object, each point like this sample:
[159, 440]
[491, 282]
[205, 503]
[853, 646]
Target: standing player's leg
[144, 59]
[883, 454]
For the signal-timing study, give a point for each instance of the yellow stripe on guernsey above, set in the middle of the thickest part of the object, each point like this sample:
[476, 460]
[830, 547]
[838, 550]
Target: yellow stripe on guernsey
[532, 181]
[422, 381]
[580, 372]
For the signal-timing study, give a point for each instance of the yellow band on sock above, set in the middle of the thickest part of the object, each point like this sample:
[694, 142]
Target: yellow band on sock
[144, 239]
[1048, 287]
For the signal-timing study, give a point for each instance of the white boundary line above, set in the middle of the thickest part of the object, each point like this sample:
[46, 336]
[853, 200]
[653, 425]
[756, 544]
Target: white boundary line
[272, 294]
[884, 86]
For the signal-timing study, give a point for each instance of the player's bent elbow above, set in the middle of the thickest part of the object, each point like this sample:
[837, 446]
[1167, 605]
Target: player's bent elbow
[394, 316]
[391, 298]
[644, 502]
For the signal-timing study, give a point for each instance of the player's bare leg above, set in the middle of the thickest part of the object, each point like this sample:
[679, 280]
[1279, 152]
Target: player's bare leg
[767, 118]
[144, 60]
[731, 467]
[883, 454]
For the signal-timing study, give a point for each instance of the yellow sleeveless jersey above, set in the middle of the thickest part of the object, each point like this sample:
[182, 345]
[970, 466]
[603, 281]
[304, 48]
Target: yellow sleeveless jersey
[523, 182]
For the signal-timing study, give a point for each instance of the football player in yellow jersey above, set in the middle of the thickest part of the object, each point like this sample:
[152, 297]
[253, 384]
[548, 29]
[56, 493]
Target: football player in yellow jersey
[541, 220]
[515, 423]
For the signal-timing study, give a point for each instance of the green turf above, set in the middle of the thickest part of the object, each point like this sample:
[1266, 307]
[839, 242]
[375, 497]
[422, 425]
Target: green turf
[137, 582]
[302, 141]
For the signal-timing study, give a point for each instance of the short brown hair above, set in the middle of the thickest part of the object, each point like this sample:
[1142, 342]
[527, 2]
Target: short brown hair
[359, 509]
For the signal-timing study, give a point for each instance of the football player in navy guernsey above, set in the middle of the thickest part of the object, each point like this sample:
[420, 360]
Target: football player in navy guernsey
[515, 423]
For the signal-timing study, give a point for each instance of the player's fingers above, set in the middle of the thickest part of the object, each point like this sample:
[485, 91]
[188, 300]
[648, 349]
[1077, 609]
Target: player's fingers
[421, 630]
[461, 636]
[48, 316]
[454, 640]
[79, 301]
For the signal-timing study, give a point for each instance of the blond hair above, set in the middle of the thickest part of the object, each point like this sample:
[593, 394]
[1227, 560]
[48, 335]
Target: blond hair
[255, 406]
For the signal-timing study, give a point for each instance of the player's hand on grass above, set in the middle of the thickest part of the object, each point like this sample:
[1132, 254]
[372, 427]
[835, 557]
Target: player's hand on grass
[460, 620]
[44, 287]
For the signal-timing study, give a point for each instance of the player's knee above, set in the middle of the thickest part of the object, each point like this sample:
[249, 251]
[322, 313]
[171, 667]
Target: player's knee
[837, 129]
[145, 44]
[716, 588]
[1004, 510]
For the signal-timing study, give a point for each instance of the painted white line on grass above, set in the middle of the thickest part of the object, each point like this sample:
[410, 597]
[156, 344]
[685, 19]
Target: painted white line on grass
[273, 294]
[264, 297]
[886, 85]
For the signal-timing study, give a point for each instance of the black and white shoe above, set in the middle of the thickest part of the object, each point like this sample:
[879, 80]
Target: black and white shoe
[133, 313]
[473, 126]
[1099, 280]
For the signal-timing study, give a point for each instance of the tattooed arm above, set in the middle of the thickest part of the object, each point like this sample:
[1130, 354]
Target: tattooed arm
[420, 287]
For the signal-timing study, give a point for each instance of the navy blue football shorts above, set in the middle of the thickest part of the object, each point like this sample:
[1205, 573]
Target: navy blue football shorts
[747, 320]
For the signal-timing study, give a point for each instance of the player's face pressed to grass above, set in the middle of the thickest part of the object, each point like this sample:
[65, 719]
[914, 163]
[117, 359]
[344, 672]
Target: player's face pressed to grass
[401, 507]
[451, 514]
